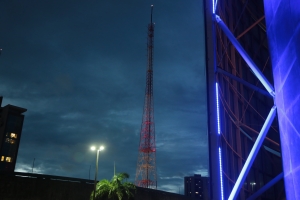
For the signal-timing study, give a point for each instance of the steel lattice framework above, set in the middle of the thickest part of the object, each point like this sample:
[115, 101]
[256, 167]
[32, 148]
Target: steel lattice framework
[245, 156]
[146, 164]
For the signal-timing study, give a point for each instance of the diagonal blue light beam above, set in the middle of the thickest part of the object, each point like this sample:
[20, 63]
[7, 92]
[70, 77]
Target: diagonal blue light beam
[245, 56]
[253, 87]
[214, 4]
[266, 187]
[262, 134]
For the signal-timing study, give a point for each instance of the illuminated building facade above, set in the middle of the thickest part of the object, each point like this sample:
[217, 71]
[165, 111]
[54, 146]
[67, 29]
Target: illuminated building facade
[11, 123]
[283, 30]
[244, 137]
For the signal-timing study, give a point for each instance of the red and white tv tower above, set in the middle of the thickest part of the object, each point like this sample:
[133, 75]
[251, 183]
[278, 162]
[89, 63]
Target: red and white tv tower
[146, 163]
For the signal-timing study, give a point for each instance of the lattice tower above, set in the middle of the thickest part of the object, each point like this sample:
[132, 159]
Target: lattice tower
[146, 163]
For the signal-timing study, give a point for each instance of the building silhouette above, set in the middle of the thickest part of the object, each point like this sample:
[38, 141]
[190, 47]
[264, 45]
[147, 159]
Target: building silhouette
[196, 187]
[244, 137]
[11, 123]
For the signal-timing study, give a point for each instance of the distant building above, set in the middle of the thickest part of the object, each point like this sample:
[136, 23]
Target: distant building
[11, 123]
[196, 187]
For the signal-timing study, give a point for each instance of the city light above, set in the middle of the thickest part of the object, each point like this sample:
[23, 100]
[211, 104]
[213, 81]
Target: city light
[218, 112]
[221, 176]
[93, 148]
[219, 132]
[214, 5]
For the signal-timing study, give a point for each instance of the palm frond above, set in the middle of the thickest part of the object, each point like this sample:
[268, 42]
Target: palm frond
[116, 189]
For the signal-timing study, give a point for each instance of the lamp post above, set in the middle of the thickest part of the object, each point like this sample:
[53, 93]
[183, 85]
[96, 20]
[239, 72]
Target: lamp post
[252, 185]
[93, 148]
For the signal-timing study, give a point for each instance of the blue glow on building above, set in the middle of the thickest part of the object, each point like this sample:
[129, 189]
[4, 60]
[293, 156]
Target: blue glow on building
[221, 174]
[218, 111]
[252, 155]
[283, 31]
[214, 6]
[264, 81]
[219, 132]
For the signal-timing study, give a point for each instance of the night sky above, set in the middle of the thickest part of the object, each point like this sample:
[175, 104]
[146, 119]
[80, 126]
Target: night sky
[79, 67]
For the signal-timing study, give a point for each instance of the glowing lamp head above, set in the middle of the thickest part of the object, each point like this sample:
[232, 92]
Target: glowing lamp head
[101, 148]
[93, 148]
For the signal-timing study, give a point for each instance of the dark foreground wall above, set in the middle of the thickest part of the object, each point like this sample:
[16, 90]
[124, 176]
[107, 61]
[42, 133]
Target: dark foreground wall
[25, 186]
[43, 187]
[148, 194]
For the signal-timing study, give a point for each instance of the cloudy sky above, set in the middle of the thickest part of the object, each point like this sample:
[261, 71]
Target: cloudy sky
[79, 67]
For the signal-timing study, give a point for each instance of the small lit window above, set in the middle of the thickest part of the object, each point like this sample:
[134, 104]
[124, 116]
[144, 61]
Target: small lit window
[13, 135]
[2, 158]
[12, 141]
[7, 140]
[8, 159]
[196, 192]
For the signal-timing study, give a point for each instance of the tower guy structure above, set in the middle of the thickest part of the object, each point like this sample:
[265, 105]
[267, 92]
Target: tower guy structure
[146, 163]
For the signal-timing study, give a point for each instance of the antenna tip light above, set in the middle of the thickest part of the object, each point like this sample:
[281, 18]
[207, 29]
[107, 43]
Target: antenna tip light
[151, 5]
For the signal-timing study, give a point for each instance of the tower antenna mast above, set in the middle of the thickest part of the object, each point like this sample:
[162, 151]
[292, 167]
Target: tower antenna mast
[146, 164]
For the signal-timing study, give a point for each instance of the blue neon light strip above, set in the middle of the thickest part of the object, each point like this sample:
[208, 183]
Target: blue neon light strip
[221, 173]
[219, 132]
[246, 57]
[246, 168]
[218, 112]
[214, 5]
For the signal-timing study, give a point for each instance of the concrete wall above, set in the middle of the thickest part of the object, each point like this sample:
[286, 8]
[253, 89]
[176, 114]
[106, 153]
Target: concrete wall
[283, 30]
[44, 187]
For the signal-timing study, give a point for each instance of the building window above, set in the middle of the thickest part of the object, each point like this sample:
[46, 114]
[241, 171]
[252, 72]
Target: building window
[2, 158]
[11, 141]
[13, 135]
[8, 159]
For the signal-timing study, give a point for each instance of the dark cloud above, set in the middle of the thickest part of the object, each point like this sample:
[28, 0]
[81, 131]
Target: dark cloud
[79, 68]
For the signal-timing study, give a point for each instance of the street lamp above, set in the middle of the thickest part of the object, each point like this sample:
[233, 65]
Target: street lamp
[252, 185]
[93, 148]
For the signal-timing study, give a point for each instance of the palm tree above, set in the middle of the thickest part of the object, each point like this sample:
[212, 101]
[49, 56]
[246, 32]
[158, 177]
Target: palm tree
[116, 189]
